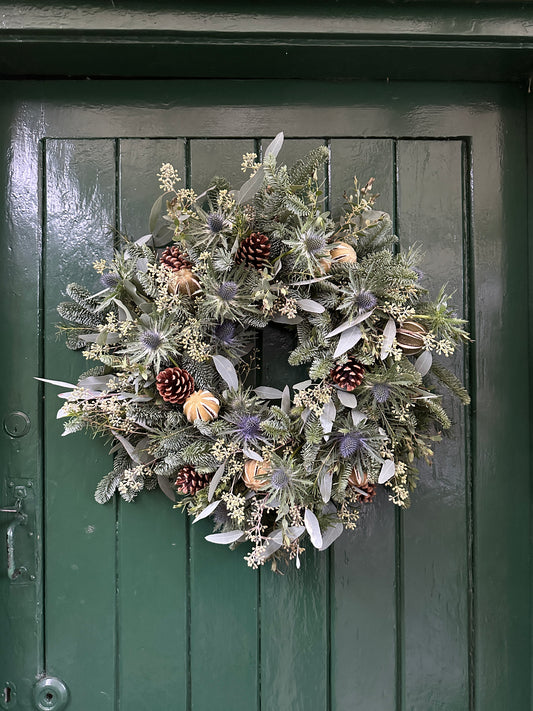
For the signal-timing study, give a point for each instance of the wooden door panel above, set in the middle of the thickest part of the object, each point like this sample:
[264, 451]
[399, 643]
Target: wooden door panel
[139, 609]
[79, 552]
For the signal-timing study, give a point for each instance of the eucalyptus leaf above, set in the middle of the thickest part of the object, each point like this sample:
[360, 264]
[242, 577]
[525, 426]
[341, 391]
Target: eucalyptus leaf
[60, 383]
[347, 399]
[155, 212]
[268, 393]
[313, 528]
[331, 534]
[387, 471]
[130, 449]
[358, 417]
[303, 385]
[423, 363]
[250, 187]
[123, 312]
[389, 333]
[166, 487]
[208, 510]
[225, 538]
[286, 400]
[227, 371]
[281, 318]
[217, 476]
[325, 482]
[311, 306]
[251, 454]
[274, 147]
[347, 340]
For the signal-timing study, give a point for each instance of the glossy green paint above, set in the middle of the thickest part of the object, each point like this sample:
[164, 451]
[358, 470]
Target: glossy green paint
[392, 40]
[428, 610]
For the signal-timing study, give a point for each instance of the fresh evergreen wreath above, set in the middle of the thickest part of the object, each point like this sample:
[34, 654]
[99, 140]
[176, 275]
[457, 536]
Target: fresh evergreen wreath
[174, 332]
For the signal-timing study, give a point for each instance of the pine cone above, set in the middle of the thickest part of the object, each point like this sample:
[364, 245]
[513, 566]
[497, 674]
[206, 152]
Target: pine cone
[370, 491]
[253, 251]
[174, 258]
[174, 385]
[349, 375]
[189, 481]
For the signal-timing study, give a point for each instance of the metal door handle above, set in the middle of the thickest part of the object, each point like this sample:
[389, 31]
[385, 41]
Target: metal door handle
[20, 520]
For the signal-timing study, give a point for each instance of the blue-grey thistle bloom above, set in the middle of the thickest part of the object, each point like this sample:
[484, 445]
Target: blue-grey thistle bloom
[351, 443]
[151, 340]
[315, 243]
[225, 332]
[110, 280]
[381, 392]
[279, 479]
[366, 301]
[221, 514]
[215, 222]
[228, 290]
[249, 427]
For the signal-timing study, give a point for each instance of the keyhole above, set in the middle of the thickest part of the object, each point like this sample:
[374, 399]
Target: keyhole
[7, 694]
[49, 697]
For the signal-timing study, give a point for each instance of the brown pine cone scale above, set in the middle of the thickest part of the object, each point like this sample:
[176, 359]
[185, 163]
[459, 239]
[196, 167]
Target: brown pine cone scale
[189, 481]
[349, 375]
[253, 251]
[174, 385]
[370, 492]
[174, 258]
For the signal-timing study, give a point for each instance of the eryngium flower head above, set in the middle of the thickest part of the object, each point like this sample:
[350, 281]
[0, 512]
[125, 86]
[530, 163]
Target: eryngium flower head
[110, 280]
[279, 479]
[351, 443]
[151, 340]
[365, 301]
[315, 243]
[225, 332]
[381, 392]
[227, 291]
[248, 426]
[215, 222]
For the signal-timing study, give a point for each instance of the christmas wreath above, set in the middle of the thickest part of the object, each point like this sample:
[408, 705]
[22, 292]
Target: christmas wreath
[174, 332]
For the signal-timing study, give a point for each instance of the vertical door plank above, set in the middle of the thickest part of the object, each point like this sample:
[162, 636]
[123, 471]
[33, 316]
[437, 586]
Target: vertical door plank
[430, 208]
[502, 455]
[295, 606]
[20, 253]
[223, 589]
[79, 534]
[152, 545]
[364, 600]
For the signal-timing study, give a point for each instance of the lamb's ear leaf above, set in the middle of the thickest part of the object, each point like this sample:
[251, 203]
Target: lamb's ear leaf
[313, 528]
[389, 333]
[225, 538]
[217, 476]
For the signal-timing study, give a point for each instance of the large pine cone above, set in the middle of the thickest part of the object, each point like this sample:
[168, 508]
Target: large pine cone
[253, 251]
[189, 481]
[348, 376]
[370, 491]
[175, 259]
[174, 385]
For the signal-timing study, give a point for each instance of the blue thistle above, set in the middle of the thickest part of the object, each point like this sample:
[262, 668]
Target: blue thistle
[351, 443]
[215, 222]
[228, 290]
[151, 340]
[381, 392]
[279, 479]
[365, 301]
[221, 514]
[315, 243]
[225, 332]
[249, 427]
[110, 280]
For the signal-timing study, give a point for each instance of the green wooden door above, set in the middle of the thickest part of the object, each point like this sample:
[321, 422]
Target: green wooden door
[130, 606]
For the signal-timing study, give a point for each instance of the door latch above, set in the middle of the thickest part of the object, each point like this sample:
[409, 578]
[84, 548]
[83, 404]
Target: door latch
[20, 519]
